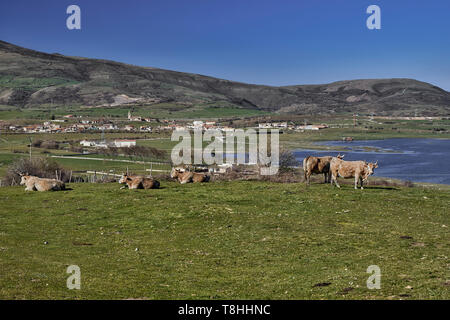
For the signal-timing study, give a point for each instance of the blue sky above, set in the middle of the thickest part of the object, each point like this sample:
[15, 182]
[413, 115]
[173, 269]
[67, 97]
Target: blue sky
[253, 41]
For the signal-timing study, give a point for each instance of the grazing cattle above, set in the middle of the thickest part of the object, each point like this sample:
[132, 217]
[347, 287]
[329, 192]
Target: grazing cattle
[318, 165]
[138, 182]
[33, 183]
[360, 170]
[187, 176]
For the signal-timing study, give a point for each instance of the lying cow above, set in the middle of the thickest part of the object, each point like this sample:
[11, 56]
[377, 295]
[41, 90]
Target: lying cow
[187, 176]
[318, 165]
[360, 170]
[33, 183]
[138, 182]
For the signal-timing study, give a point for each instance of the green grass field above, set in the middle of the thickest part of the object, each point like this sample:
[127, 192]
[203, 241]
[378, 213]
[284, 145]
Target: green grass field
[225, 240]
[160, 110]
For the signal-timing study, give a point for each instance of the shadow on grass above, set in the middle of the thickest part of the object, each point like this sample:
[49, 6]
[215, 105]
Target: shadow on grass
[381, 188]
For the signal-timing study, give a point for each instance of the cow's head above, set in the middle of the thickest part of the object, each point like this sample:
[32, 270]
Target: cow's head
[23, 178]
[339, 156]
[370, 167]
[124, 178]
[174, 173]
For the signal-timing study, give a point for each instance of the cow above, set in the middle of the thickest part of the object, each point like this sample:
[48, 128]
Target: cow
[360, 170]
[33, 183]
[187, 176]
[138, 182]
[318, 165]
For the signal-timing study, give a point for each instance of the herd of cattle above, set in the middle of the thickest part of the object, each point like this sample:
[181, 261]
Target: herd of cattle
[331, 167]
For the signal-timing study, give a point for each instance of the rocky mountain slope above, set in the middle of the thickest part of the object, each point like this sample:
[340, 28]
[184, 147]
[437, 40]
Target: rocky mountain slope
[30, 78]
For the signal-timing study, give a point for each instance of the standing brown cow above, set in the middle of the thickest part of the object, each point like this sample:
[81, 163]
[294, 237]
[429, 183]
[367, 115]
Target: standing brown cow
[318, 165]
[360, 170]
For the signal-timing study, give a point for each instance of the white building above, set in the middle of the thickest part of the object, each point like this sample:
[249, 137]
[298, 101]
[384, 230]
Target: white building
[87, 143]
[197, 124]
[124, 143]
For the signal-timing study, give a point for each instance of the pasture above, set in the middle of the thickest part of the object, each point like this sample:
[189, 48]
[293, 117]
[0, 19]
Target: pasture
[225, 240]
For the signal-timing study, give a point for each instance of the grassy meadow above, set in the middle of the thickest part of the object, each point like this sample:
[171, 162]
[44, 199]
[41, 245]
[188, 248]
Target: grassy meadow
[225, 240]
[221, 109]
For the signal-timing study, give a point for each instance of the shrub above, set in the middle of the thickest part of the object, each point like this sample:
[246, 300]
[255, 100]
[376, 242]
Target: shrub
[135, 151]
[287, 161]
[36, 144]
[50, 144]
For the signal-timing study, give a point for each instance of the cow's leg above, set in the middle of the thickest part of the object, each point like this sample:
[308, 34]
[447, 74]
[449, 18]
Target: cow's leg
[334, 177]
[325, 175]
[308, 177]
[361, 181]
[356, 181]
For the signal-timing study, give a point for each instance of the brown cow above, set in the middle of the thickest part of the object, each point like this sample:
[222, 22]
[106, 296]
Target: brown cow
[360, 170]
[318, 165]
[139, 182]
[187, 176]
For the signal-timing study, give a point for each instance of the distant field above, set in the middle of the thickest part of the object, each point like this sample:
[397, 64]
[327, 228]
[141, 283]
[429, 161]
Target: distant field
[161, 110]
[15, 146]
[214, 241]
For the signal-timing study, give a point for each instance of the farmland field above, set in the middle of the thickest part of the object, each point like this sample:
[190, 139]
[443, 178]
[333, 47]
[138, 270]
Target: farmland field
[214, 241]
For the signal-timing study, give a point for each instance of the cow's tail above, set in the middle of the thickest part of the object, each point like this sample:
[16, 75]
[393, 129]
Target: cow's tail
[305, 165]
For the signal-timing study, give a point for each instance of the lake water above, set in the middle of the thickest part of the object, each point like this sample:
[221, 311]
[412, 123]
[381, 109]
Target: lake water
[417, 160]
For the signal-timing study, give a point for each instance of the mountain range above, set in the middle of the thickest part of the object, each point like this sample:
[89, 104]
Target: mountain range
[30, 78]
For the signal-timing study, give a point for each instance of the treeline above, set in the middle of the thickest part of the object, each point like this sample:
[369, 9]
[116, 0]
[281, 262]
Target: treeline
[135, 151]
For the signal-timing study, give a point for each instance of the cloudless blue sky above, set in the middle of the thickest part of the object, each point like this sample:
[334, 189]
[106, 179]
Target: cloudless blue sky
[255, 41]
